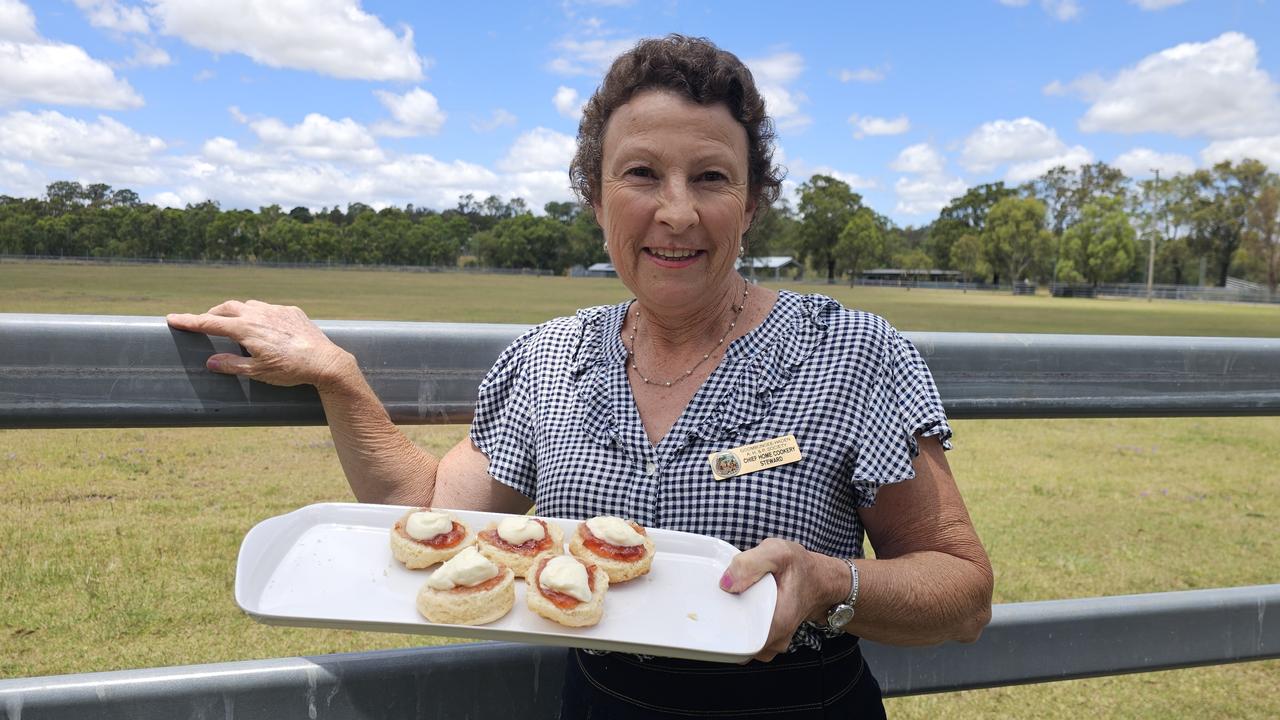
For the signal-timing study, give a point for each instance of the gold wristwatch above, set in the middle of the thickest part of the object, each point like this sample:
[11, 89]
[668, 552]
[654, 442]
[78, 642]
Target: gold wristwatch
[842, 612]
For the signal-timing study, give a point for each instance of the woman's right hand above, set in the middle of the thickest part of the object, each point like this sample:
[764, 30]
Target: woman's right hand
[285, 347]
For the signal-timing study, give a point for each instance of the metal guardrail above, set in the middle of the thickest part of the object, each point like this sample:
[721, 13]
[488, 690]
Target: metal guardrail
[1025, 642]
[89, 371]
[61, 371]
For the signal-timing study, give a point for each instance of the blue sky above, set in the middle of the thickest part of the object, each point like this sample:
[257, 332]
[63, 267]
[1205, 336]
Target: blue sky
[323, 102]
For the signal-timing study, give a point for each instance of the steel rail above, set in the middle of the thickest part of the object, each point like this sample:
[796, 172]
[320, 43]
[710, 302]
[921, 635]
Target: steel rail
[61, 371]
[1025, 643]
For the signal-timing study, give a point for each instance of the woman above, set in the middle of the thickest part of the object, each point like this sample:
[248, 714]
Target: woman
[617, 410]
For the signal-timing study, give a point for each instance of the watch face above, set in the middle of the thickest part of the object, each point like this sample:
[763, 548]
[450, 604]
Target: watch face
[840, 616]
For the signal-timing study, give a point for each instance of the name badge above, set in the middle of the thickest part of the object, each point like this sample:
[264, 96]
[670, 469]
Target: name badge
[757, 456]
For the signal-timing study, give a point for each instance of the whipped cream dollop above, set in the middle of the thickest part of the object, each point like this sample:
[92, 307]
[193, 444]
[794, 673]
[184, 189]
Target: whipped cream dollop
[465, 569]
[615, 531]
[567, 575]
[517, 530]
[428, 524]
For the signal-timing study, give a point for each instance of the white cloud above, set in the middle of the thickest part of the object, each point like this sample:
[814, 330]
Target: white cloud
[417, 112]
[112, 15]
[538, 187]
[931, 188]
[1139, 162]
[1061, 9]
[863, 75]
[864, 126]
[411, 172]
[60, 74]
[105, 150]
[539, 149]
[1071, 157]
[588, 57]
[1156, 4]
[319, 137]
[568, 103]
[17, 23]
[802, 171]
[500, 118]
[145, 55]
[1026, 144]
[1215, 88]
[1266, 149]
[331, 37]
[853, 180]
[921, 159]
[924, 196]
[285, 184]
[1002, 141]
[167, 199]
[225, 151]
[773, 74]
[50, 72]
[18, 180]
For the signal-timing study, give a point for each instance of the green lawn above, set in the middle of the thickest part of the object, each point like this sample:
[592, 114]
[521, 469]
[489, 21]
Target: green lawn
[120, 545]
[458, 297]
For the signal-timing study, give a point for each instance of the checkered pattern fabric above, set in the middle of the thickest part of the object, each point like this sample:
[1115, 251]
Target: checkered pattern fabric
[556, 418]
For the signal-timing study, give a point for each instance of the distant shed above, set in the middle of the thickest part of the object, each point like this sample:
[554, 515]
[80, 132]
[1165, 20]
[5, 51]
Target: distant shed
[889, 275]
[770, 264]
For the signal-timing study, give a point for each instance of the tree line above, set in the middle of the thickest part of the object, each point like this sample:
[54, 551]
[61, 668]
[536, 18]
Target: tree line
[1090, 224]
[74, 220]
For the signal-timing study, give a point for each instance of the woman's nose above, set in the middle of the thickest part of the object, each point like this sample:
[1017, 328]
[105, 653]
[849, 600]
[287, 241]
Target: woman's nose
[676, 207]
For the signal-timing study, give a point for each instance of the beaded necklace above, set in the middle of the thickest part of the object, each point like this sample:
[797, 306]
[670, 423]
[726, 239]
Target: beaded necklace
[631, 344]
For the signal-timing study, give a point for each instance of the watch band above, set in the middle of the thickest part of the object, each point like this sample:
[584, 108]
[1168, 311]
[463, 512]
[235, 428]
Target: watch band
[852, 600]
[842, 612]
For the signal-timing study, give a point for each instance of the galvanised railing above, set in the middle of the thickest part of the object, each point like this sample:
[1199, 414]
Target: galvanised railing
[67, 371]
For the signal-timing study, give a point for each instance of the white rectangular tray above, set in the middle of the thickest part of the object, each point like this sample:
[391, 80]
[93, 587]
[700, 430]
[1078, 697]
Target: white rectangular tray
[330, 565]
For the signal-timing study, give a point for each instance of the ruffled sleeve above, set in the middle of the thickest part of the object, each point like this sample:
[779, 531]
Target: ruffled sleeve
[503, 423]
[902, 403]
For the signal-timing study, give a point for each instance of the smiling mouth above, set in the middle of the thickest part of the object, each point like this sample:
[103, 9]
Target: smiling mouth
[672, 253]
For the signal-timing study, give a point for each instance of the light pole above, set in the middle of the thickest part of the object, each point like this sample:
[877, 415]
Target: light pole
[1151, 247]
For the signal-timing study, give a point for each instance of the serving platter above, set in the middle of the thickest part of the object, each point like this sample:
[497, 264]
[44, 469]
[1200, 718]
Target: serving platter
[330, 565]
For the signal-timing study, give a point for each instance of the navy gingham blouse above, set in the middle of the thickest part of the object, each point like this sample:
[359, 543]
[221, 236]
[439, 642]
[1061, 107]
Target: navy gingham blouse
[556, 418]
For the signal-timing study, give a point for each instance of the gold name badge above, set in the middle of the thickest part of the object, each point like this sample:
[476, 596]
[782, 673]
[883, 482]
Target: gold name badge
[757, 456]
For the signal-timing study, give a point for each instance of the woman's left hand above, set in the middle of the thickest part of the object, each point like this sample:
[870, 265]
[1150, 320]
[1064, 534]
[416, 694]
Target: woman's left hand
[805, 579]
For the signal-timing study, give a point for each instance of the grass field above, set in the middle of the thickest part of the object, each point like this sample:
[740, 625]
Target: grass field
[119, 546]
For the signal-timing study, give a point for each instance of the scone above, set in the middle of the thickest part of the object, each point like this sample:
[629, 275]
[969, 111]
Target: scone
[468, 590]
[518, 542]
[566, 590]
[622, 548]
[424, 537]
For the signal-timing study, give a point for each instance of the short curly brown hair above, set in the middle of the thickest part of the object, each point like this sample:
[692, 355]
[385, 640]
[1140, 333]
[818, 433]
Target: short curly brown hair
[698, 70]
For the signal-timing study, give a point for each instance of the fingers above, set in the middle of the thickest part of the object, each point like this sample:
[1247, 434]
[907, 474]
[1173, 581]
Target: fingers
[785, 561]
[207, 324]
[748, 567]
[229, 364]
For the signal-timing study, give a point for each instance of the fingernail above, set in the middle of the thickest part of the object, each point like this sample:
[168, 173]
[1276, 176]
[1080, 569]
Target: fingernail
[726, 581]
[214, 364]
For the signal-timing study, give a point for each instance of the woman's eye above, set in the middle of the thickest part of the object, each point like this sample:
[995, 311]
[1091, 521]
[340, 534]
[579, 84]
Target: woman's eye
[643, 172]
[713, 176]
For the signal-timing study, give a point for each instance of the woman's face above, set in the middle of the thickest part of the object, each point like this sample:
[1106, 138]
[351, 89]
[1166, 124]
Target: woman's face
[674, 199]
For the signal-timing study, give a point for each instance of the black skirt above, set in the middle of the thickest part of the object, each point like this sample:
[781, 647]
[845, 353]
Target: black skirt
[832, 683]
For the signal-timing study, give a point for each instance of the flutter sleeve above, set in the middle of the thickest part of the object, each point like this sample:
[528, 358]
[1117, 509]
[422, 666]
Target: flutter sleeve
[503, 424]
[902, 404]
